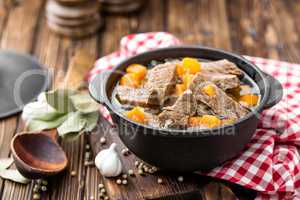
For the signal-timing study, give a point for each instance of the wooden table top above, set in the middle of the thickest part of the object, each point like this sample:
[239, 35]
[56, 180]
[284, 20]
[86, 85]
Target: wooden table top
[263, 28]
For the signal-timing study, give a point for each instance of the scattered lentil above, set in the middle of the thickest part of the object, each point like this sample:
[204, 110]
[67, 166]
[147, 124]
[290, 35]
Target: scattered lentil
[140, 166]
[136, 163]
[88, 163]
[102, 140]
[119, 181]
[92, 197]
[159, 181]
[180, 178]
[103, 191]
[101, 186]
[87, 147]
[44, 188]
[124, 176]
[106, 198]
[131, 172]
[124, 182]
[141, 172]
[87, 155]
[36, 189]
[44, 182]
[73, 173]
[36, 196]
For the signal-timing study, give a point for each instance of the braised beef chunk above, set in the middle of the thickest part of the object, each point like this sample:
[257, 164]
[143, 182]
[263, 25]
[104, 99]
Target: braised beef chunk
[137, 96]
[152, 119]
[162, 79]
[220, 103]
[221, 66]
[223, 81]
[203, 109]
[177, 115]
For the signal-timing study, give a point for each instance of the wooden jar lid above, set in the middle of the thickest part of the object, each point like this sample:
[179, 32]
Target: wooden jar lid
[121, 6]
[79, 19]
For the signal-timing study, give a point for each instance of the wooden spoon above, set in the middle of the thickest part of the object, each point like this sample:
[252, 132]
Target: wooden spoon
[38, 154]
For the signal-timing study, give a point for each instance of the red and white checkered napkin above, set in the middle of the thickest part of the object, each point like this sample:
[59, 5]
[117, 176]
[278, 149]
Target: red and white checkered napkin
[270, 162]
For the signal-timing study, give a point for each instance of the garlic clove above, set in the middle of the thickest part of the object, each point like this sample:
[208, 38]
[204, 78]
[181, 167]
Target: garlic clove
[108, 162]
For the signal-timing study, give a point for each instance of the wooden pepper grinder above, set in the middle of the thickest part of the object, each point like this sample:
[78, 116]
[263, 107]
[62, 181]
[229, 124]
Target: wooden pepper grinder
[121, 6]
[73, 18]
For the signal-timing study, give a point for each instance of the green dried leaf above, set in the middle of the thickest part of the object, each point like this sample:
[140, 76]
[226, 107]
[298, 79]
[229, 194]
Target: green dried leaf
[14, 175]
[60, 100]
[91, 121]
[74, 124]
[5, 163]
[38, 125]
[70, 137]
[84, 103]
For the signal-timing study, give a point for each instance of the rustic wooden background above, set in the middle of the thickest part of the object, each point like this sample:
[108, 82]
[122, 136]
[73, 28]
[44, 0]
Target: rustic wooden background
[267, 28]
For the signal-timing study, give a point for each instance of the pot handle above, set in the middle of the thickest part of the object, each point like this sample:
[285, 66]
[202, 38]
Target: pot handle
[276, 91]
[97, 87]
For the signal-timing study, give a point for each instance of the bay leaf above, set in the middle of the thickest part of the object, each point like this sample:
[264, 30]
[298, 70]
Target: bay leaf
[84, 103]
[60, 100]
[74, 123]
[91, 121]
[5, 163]
[70, 137]
[13, 175]
[38, 125]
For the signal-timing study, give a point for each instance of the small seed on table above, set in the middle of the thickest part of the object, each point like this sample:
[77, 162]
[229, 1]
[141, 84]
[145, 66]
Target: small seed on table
[103, 191]
[130, 172]
[180, 178]
[159, 181]
[44, 182]
[101, 186]
[102, 140]
[141, 172]
[119, 181]
[124, 182]
[92, 197]
[87, 147]
[124, 176]
[36, 196]
[44, 188]
[73, 173]
[106, 198]
[136, 163]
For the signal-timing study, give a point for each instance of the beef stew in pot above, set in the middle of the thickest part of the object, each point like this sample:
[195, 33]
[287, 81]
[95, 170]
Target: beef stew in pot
[185, 93]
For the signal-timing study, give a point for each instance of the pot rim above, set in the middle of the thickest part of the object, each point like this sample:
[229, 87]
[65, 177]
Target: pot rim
[180, 132]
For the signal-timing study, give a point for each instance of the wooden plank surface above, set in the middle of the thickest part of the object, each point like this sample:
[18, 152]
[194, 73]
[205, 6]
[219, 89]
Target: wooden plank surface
[253, 27]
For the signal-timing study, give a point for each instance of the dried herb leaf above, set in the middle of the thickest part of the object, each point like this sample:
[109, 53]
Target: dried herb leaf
[91, 121]
[60, 100]
[5, 163]
[84, 103]
[38, 125]
[74, 124]
[13, 175]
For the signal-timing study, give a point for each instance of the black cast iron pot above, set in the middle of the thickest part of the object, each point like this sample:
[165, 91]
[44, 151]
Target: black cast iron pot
[187, 150]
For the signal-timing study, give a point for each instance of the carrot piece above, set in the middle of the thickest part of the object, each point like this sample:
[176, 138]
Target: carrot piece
[191, 65]
[209, 90]
[187, 79]
[131, 80]
[194, 121]
[137, 69]
[249, 99]
[180, 88]
[209, 121]
[136, 114]
[179, 69]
